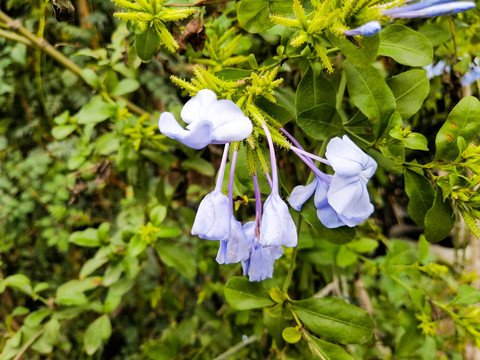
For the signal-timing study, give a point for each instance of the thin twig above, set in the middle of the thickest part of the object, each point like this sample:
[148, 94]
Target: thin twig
[236, 348]
[27, 344]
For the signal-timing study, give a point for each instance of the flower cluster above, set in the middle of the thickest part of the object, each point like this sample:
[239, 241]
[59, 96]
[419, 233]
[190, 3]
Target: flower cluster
[341, 199]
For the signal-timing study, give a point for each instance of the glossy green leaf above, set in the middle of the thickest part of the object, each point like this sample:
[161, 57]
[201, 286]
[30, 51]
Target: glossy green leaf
[242, 294]
[400, 253]
[314, 89]
[275, 110]
[254, 15]
[464, 121]
[116, 293]
[370, 93]
[324, 350]
[147, 44]
[335, 320]
[320, 122]
[421, 195]
[362, 54]
[405, 46]
[97, 333]
[72, 292]
[410, 89]
[439, 220]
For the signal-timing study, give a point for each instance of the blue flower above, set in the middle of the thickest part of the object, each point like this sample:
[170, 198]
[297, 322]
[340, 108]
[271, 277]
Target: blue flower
[429, 8]
[236, 248]
[348, 194]
[259, 265]
[368, 29]
[277, 226]
[210, 121]
[341, 199]
[212, 221]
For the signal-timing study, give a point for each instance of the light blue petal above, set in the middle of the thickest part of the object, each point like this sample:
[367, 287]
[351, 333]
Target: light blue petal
[229, 122]
[212, 221]
[416, 6]
[197, 136]
[262, 261]
[368, 29]
[436, 10]
[300, 194]
[277, 226]
[196, 109]
[236, 248]
[325, 213]
[350, 199]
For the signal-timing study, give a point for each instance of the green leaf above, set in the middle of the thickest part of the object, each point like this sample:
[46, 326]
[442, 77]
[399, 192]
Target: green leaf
[125, 86]
[147, 44]
[467, 295]
[410, 89]
[203, 166]
[116, 293]
[233, 74]
[345, 257]
[254, 15]
[370, 93]
[436, 33]
[291, 335]
[314, 89]
[405, 46]
[335, 320]
[421, 195]
[62, 131]
[136, 246]
[463, 121]
[94, 263]
[324, 350]
[242, 294]
[439, 220]
[423, 248]
[320, 122]
[91, 78]
[97, 110]
[362, 54]
[97, 333]
[179, 257]
[400, 253]
[341, 235]
[87, 238]
[158, 214]
[275, 110]
[72, 292]
[50, 338]
[416, 141]
[20, 282]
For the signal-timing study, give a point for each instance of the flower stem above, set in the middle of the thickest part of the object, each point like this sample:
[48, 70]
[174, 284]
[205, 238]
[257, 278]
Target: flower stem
[288, 279]
[221, 171]
[297, 151]
[272, 159]
[230, 183]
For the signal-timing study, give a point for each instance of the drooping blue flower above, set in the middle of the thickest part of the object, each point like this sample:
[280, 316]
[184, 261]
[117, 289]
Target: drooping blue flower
[212, 220]
[260, 263]
[426, 9]
[277, 226]
[348, 194]
[210, 121]
[471, 76]
[236, 248]
[368, 29]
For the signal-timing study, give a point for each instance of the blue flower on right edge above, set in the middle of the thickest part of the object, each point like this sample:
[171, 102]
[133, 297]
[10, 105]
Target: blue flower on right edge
[418, 9]
[341, 199]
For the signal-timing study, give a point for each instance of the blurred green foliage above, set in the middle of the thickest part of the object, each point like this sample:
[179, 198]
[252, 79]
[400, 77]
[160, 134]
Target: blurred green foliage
[96, 206]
